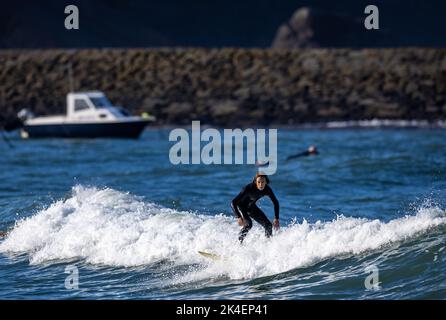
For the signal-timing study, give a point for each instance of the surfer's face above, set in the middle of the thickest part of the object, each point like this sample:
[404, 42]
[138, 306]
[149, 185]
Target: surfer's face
[260, 183]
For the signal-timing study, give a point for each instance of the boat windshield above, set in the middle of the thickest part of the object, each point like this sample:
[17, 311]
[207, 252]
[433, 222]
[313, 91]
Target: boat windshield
[100, 102]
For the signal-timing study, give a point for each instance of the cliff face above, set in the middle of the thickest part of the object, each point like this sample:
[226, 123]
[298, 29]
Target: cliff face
[312, 28]
[234, 86]
[231, 23]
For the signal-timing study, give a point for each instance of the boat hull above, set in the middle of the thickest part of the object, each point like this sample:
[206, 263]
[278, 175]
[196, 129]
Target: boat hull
[130, 129]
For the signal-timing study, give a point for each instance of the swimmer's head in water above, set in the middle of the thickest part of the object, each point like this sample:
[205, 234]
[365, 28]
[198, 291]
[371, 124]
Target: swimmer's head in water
[312, 149]
[261, 180]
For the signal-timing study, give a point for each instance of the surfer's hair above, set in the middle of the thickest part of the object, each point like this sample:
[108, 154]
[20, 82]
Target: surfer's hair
[260, 174]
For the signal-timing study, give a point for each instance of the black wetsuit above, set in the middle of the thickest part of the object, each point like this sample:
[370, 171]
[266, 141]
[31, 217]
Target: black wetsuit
[302, 154]
[244, 206]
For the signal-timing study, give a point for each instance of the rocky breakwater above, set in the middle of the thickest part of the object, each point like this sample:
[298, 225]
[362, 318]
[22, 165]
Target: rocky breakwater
[230, 86]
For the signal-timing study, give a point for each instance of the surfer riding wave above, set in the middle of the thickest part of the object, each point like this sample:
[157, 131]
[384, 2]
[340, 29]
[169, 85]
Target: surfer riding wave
[244, 206]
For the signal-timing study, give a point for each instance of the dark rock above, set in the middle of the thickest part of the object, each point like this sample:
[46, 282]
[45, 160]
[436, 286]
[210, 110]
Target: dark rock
[312, 28]
[232, 87]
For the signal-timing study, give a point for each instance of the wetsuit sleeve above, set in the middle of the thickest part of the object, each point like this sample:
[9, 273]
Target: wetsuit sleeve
[302, 154]
[236, 201]
[273, 198]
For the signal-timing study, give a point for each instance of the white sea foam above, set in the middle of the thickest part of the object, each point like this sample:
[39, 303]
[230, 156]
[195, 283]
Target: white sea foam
[105, 226]
[377, 123]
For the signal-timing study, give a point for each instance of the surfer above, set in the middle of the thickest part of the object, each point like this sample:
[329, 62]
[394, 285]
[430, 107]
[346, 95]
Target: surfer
[245, 208]
[311, 151]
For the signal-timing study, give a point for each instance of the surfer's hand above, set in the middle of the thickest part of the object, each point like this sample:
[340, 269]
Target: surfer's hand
[276, 224]
[241, 222]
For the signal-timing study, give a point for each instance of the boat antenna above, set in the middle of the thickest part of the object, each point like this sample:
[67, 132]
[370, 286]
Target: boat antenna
[70, 77]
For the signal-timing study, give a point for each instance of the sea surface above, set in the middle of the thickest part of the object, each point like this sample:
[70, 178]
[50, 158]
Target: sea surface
[114, 219]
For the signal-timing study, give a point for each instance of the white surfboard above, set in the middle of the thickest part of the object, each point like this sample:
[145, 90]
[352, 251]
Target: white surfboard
[211, 256]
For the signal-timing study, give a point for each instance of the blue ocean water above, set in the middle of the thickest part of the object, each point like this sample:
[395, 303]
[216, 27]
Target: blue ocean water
[369, 209]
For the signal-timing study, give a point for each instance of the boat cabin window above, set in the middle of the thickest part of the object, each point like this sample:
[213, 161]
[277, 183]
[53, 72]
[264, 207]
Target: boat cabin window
[124, 112]
[101, 102]
[80, 104]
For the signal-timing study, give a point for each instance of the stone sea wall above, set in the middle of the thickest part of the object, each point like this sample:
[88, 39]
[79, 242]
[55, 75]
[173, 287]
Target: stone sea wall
[232, 87]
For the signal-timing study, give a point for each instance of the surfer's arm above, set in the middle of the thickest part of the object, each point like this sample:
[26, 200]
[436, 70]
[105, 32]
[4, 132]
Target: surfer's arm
[235, 202]
[275, 203]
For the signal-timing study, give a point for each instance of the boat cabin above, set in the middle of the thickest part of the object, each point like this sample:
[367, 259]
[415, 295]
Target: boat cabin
[92, 105]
